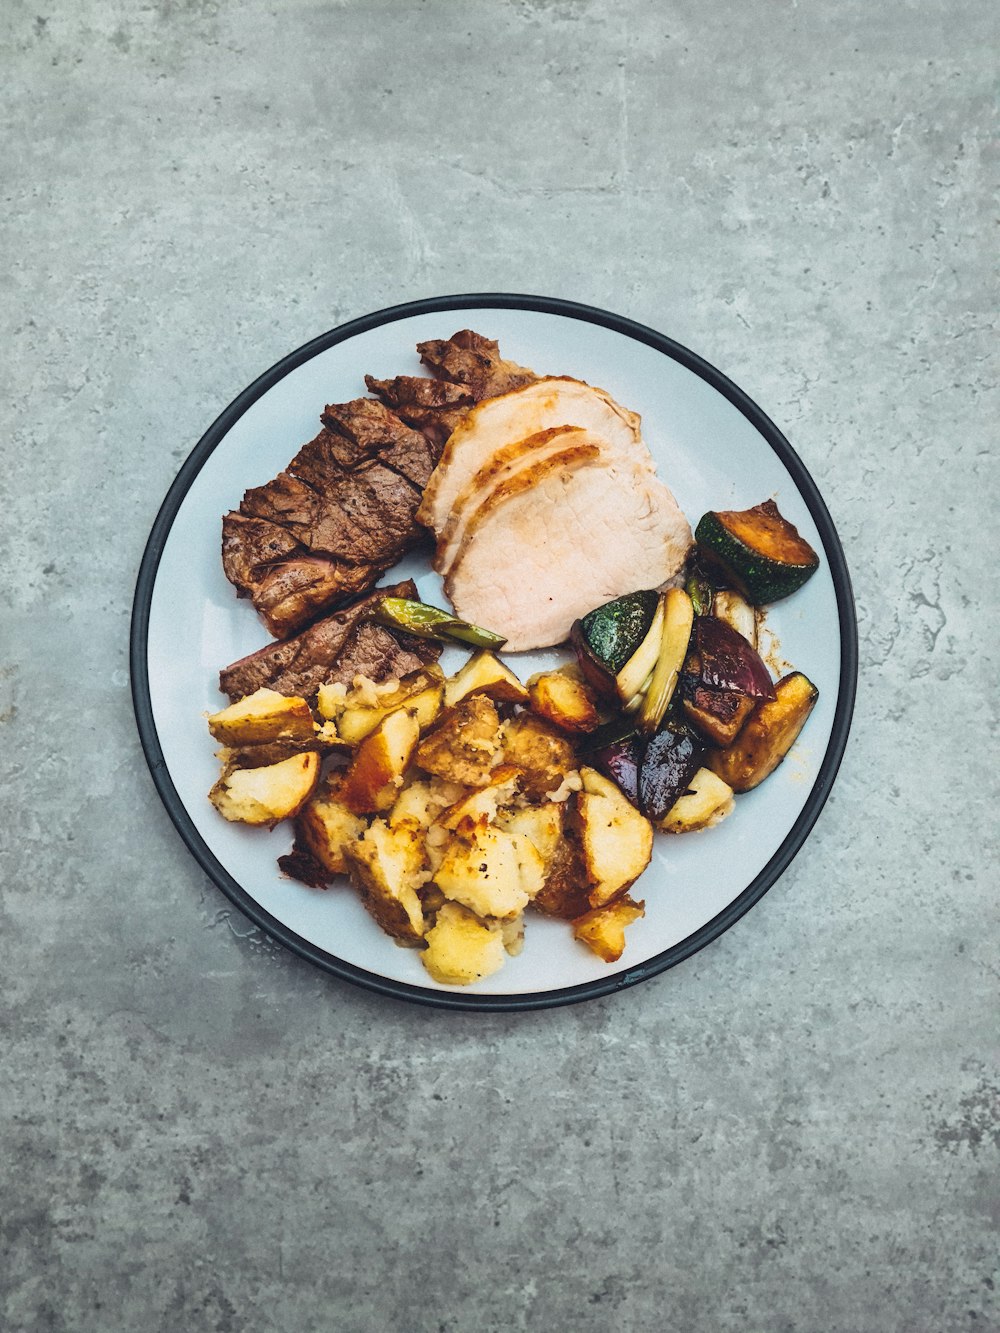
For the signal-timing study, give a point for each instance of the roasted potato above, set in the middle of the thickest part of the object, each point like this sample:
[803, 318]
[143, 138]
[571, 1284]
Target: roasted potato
[565, 892]
[617, 841]
[463, 745]
[358, 713]
[325, 826]
[462, 948]
[602, 929]
[264, 796]
[563, 699]
[263, 717]
[484, 873]
[707, 801]
[375, 775]
[484, 674]
[544, 757]
[386, 866]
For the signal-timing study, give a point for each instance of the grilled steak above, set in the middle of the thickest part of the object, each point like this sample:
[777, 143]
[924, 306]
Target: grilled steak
[340, 515]
[336, 648]
[467, 367]
[469, 359]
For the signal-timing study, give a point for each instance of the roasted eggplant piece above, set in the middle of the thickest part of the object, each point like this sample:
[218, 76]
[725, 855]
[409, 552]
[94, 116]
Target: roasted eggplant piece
[619, 759]
[756, 551]
[767, 735]
[670, 761]
[722, 659]
[717, 715]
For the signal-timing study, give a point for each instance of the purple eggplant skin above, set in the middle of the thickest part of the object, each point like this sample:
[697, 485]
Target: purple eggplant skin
[728, 662]
[620, 761]
[671, 760]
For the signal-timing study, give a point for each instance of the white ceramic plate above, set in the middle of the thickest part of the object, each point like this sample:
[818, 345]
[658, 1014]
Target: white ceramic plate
[713, 447]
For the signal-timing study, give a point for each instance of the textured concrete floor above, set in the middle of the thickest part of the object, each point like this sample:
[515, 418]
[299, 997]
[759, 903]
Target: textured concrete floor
[797, 1129]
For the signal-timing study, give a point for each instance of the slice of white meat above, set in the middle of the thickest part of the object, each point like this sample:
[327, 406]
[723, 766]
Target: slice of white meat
[500, 467]
[518, 415]
[564, 536]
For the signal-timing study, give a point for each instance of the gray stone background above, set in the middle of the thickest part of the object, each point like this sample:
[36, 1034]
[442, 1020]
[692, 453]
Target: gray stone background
[796, 1129]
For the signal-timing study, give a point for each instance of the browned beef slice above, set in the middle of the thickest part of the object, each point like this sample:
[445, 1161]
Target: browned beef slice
[296, 590]
[370, 428]
[469, 359]
[433, 407]
[340, 515]
[251, 547]
[328, 650]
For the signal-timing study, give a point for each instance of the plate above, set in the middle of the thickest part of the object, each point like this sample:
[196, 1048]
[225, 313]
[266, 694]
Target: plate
[713, 447]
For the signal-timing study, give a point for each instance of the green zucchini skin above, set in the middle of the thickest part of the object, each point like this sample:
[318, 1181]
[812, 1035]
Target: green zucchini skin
[614, 631]
[750, 562]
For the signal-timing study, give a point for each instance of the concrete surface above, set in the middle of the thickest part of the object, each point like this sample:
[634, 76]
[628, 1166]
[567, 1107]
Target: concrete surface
[795, 1130]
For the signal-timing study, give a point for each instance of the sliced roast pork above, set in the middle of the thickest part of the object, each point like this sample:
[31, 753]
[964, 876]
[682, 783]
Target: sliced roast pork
[523, 413]
[568, 535]
[336, 648]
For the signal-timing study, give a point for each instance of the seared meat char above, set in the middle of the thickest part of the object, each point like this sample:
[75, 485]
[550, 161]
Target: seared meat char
[336, 648]
[340, 515]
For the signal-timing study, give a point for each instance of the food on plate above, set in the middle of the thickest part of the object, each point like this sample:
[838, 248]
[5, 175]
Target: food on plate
[617, 841]
[669, 761]
[485, 674]
[337, 648]
[603, 928]
[458, 805]
[462, 947]
[343, 511]
[340, 515]
[269, 794]
[558, 471]
[705, 802]
[768, 734]
[564, 700]
[264, 717]
[430, 622]
[757, 550]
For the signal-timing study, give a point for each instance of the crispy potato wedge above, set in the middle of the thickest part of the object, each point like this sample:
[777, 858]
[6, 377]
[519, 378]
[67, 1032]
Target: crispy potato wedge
[264, 796]
[479, 807]
[484, 674]
[602, 929]
[544, 756]
[263, 717]
[463, 744]
[325, 826]
[563, 700]
[617, 840]
[386, 866]
[375, 775]
[357, 720]
[461, 948]
[707, 801]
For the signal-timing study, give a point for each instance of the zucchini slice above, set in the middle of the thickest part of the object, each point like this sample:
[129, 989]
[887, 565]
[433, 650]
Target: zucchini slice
[678, 617]
[767, 735]
[757, 550]
[615, 630]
